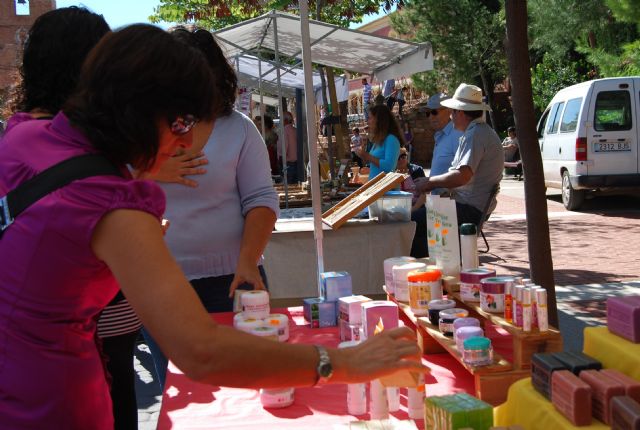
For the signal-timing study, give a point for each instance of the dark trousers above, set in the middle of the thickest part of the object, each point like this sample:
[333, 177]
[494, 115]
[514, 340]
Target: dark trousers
[214, 295]
[468, 214]
[119, 350]
[419, 246]
[292, 172]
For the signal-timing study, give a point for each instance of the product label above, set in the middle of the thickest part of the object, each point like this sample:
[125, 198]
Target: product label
[470, 292]
[492, 302]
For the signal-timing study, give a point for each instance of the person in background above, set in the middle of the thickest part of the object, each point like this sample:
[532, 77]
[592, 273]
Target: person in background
[478, 162]
[291, 148]
[389, 93]
[220, 257]
[386, 138]
[510, 145]
[57, 44]
[366, 98]
[139, 95]
[414, 171]
[408, 138]
[447, 138]
[401, 101]
[270, 140]
[356, 143]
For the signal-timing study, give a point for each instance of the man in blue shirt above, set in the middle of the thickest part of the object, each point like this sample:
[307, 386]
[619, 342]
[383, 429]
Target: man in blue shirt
[446, 136]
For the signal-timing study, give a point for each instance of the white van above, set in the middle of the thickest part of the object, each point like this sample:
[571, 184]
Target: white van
[589, 137]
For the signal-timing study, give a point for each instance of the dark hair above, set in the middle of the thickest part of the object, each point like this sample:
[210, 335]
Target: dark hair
[268, 122]
[511, 129]
[226, 79]
[385, 124]
[56, 45]
[356, 130]
[135, 77]
[473, 114]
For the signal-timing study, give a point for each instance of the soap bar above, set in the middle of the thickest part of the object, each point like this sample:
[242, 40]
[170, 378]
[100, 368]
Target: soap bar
[623, 317]
[542, 367]
[631, 386]
[571, 396]
[625, 413]
[457, 411]
[603, 389]
[577, 361]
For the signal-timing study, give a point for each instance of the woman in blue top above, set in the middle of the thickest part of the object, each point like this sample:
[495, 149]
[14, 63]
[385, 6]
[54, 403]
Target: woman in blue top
[385, 134]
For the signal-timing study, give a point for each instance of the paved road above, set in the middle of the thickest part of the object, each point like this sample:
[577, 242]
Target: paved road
[596, 254]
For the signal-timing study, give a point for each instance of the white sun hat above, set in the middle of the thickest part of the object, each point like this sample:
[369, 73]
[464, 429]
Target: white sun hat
[466, 97]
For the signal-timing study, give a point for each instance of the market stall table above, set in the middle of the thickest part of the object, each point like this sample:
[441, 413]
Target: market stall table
[359, 247]
[613, 351]
[190, 405]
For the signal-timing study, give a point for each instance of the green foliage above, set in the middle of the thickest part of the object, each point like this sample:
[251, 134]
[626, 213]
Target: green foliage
[551, 75]
[625, 10]
[467, 38]
[217, 14]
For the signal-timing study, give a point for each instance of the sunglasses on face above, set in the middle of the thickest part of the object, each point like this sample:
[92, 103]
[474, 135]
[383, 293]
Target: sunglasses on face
[183, 124]
[402, 156]
[433, 112]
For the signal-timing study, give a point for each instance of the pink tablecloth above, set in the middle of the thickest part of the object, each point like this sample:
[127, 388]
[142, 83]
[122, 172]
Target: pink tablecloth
[190, 405]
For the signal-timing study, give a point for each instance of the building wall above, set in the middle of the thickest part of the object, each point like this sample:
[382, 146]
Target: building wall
[13, 30]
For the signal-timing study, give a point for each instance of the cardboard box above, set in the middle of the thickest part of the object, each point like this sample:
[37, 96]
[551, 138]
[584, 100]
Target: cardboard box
[319, 313]
[335, 285]
[350, 308]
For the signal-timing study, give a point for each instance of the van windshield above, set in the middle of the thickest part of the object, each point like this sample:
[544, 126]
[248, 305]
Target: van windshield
[613, 111]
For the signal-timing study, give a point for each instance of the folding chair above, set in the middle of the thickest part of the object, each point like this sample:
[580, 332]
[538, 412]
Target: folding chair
[485, 215]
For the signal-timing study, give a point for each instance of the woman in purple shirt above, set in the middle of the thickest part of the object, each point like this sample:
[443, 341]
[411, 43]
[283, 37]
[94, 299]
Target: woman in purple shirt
[139, 94]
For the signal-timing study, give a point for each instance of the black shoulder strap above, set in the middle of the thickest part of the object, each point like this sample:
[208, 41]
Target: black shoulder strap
[51, 179]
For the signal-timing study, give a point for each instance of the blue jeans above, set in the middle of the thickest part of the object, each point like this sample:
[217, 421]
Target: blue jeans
[214, 294]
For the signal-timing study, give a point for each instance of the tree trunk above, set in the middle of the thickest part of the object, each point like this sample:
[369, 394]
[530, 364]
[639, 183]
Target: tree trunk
[535, 200]
[489, 93]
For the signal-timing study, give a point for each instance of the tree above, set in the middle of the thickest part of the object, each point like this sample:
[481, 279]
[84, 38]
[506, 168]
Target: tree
[467, 38]
[553, 74]
[216, 14]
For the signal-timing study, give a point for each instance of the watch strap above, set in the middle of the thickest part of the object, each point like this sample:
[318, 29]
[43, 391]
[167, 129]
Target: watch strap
[324, 364]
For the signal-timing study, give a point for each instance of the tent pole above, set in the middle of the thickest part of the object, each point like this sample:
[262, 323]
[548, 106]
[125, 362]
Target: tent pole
[262, 109]
[312, 137]
[281, 110]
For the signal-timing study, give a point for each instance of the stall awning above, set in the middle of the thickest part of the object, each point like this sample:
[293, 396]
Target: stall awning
[331, 45]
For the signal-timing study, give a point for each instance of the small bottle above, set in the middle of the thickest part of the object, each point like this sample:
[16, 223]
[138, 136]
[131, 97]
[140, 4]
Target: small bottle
[517, 306]
[543, 316]
[534, 306]
[393, 397]
[508, 302]
[415, 401]
[356, 393]
[469, 246]
[378, 404]
[526, 310]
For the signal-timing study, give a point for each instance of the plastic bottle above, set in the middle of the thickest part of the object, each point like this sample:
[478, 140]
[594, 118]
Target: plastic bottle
[469, 246]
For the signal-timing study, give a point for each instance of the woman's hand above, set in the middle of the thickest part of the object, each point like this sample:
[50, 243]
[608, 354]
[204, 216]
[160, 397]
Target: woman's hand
[177, 167]
[380, 355]
[362, 153]
[423, 185]
[246, 273]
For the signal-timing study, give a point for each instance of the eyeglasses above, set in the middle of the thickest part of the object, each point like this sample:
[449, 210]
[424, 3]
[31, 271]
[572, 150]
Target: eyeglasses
[183, 124]
[433, 112]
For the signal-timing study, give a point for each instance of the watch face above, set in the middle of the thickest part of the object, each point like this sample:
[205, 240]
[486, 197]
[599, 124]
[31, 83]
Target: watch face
[325, 370]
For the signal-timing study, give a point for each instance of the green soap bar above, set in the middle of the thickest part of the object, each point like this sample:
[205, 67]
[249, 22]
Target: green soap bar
[457, 411]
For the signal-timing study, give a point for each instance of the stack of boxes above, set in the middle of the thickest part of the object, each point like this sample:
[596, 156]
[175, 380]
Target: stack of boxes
[350, 316]
[323, 311]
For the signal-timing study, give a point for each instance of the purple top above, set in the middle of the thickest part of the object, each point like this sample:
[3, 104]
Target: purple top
[52, 286]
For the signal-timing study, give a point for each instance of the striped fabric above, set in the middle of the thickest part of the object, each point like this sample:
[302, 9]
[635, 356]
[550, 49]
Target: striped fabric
[118, 319]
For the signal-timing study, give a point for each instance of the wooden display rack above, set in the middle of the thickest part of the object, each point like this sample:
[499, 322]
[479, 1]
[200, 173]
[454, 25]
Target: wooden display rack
[491, 382]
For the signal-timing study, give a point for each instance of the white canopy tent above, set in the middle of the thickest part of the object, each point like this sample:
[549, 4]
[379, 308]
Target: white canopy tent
[321, 43]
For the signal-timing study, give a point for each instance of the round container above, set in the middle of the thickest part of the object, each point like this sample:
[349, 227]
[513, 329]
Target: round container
[265, 331]
[281, 323]
[477, 351]
[421, 284]
[435, 306]
[447, 317]
[463, 333]
[245, 324]
[464, 322]
[470, 283]
[400, 272]
[276, 398]
[388, 274]
[255, 304]
[492, 293]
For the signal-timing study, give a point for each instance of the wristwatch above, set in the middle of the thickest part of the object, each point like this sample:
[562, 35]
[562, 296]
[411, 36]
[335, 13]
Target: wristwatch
[324, 370]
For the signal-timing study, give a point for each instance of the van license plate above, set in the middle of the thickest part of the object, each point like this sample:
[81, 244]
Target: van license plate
[611, 146]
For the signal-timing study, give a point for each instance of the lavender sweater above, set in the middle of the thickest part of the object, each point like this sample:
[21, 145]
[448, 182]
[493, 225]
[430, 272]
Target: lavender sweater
[207, 222]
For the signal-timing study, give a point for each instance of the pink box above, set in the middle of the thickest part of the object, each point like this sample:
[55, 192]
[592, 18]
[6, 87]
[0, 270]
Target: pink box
[631, 386]
[376, 310]
[349, 331]
[572, 397]
[623, 317]
[603, 389]
[350, 308]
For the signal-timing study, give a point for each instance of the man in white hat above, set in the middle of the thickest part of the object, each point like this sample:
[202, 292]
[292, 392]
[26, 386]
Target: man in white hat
[478, 163]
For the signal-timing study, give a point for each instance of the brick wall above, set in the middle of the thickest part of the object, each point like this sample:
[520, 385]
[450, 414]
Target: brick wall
[13, 29]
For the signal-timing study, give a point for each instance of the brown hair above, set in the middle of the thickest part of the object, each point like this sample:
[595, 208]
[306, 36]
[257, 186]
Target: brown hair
[385, 124]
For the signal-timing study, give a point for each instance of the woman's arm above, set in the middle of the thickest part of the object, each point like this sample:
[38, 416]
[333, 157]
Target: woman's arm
[130, 242]
[258, 225]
